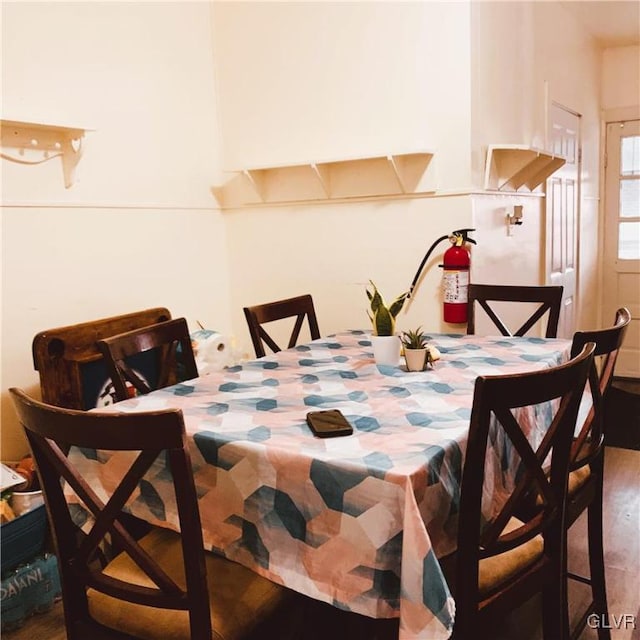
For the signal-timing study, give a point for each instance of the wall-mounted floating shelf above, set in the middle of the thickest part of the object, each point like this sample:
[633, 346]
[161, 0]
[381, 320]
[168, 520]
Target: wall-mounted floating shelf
[510, 167]
[383, 175]
[35, 143]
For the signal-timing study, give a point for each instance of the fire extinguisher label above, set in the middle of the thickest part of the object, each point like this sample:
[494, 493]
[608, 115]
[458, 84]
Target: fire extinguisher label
[455, 285]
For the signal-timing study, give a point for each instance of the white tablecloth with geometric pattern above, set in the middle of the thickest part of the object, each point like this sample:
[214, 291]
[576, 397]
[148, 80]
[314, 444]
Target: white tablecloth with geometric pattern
[356, 521]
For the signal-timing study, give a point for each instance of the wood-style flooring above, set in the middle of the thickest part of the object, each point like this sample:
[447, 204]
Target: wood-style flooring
[622, 535]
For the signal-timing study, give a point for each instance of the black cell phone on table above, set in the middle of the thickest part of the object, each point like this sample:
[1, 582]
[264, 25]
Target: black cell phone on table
[328, 424]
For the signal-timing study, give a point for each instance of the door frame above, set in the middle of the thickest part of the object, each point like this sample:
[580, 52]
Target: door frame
[608, 244]
[550, 103]
[608, 116]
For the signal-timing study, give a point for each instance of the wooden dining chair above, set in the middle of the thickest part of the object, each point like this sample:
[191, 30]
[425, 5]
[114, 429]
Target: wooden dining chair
[587, 464]
[501, 561]
[549, 299]
[70, 365]
[163, 585]
[298, 307]
[170, 343]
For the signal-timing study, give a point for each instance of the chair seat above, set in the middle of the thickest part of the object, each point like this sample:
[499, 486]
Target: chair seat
[240, 600]
[497, 570]
[577, 479]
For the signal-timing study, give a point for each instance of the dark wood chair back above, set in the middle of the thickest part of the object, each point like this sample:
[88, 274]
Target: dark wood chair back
[497, 417]
[591, 437]
[170, 343]
[587, 467]
[298, 307]
[71, 368]
[548, 297]
[51, 431]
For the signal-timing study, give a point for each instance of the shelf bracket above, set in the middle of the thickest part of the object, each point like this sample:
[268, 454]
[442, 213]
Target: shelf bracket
[252, 175]
[32, 143]
[323, 178]
[391, 160]
[510, 167]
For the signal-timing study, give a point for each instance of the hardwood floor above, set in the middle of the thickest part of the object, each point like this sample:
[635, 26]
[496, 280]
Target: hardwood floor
[622, 554]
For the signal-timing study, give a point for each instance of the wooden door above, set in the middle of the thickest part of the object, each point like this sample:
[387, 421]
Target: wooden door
[621, 265]
[563, 189]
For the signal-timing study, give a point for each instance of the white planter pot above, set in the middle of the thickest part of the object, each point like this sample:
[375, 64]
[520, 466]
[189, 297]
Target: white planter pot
[416, 359]
[386, 350]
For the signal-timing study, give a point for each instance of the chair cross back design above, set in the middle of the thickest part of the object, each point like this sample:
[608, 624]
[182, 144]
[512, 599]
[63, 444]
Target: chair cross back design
[69, 362]
[608, 341]
[158, 586]
[50, 431]
[298, 307]
[175, 360]
[549, 297]
[502, 560]
[587, 464]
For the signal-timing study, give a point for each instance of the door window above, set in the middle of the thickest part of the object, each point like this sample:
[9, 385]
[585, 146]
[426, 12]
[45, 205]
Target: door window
[629, 207]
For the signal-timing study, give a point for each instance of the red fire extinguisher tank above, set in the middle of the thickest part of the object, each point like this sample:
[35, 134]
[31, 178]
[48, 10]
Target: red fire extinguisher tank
[455, 281]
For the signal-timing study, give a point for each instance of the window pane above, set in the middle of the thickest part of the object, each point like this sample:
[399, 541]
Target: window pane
[629, 241]
[630, 198]
[630, 156]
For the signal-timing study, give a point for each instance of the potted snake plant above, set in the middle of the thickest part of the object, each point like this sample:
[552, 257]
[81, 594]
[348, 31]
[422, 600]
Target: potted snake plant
[416, 350]
[385, 342]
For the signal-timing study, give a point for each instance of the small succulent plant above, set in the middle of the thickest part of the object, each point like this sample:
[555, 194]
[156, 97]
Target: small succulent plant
[414, 339]
[383, 317]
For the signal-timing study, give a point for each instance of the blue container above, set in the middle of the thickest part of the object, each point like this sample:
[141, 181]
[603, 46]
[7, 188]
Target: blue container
[22, 538]
[32, 588]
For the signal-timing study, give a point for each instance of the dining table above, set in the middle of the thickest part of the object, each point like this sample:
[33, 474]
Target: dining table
[358, 521]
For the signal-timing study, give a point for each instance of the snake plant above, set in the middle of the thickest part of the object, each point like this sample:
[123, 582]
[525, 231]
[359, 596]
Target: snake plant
[383, 317]
[413, 339]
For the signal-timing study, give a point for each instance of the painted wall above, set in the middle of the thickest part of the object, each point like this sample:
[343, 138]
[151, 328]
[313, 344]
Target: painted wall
[488, 82]
[293, 82]
[301, 82]
[575, 84]
[139, 228]
[508, 109]
[508, 105]
[621, 77]
[526, 55]
[331, 251]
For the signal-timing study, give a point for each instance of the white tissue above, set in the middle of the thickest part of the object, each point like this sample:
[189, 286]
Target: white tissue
[213, 351]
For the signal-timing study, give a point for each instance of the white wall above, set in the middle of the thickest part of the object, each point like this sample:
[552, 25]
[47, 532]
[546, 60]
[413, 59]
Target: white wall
[293, 82]
[331, 251]
[526, 55]
[508, 106]
[304, 82]
[621, 77]
[570, 63]
[139, 228]
[485, 75]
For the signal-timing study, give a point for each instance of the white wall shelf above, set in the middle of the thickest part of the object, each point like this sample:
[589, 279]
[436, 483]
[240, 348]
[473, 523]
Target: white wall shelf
[511, 167]
[34, 143]
[383, 175]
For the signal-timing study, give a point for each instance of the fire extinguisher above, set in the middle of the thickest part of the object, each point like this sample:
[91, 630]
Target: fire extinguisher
[455, 280]
[456, 265]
